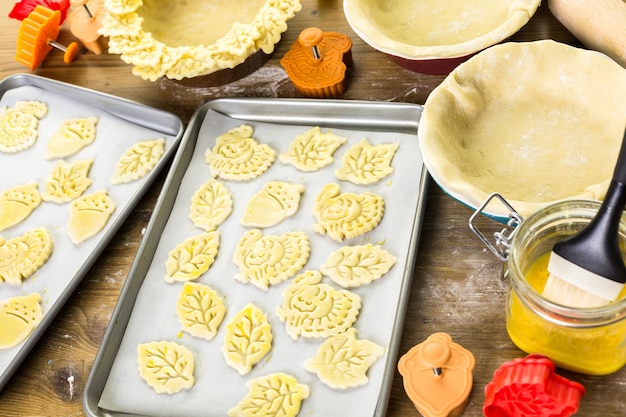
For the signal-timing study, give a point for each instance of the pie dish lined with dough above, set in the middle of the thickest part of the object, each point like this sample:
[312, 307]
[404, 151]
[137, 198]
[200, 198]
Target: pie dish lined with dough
[537, 122]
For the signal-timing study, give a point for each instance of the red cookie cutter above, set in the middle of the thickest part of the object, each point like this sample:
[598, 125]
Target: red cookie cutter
[529, 387]
[317, 63]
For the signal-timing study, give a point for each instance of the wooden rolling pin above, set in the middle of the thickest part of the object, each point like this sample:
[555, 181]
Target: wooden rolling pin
[598, 24]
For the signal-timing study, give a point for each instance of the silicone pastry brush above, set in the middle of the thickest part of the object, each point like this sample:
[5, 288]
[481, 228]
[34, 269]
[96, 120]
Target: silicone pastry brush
[587, 269]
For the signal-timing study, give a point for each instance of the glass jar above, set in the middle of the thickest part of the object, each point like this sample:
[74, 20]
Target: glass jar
[588, 340]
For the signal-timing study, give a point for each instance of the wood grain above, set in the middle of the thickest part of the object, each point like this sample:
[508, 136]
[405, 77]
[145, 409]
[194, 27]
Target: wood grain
[457, 286]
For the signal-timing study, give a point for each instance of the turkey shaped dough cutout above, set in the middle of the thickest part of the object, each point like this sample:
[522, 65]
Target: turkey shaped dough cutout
[19, 124]
[22, 256]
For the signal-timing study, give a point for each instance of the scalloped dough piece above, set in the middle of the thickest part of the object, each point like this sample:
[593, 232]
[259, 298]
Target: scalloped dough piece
[314, 309]
[312, 150]
[192, 257]
[273, 204]
[211, 205]
[237, 156]
[346, 215]
[22, 256]
[72, 136]
[138, 161]
[68, 181]
[18, 203]
[166, 366]
[19, 316]
[268, 392]
[248, 339]
[200, 310]
[19, 125]
[366, 164]
[88, 215]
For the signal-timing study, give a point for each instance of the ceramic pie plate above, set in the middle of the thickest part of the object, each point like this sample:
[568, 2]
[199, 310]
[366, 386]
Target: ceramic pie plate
[537, 122]
[146, 309]
[431, 36]
[121, 124]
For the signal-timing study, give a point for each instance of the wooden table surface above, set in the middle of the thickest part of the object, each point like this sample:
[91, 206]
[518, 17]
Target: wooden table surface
[456, 288]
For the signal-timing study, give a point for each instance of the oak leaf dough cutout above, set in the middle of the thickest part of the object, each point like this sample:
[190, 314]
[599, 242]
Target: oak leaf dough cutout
[138, 161]
[317, 310]
[342, 361]
[19, 125]
[312, 150]
[22, 256]
[72, 136]
[237, 156]
[68, 181]
[271, 392]
[366, 164]
[271, 259]
[18, 203]
[166, 366]
[248, 339]
[19, 316]
[346, 215]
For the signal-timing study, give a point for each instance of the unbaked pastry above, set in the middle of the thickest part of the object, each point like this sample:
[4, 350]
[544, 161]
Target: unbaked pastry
[428, 29]
[270, 393]
[366, 164]
[312, 150]
[273, 204]
[353, 266]
[18, 125]
[138, 161]
[68, 181]
[72, 136]
[88, 215]
[211, 204]
[162, 39]
[200, 310]
[192, 257]
[18, 203]
[536, 122]
[166, 366]
[19, 316]
[22, 256]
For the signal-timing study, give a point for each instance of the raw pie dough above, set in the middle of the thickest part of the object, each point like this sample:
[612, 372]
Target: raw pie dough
[88, 215]
[19, 316]
[68, 181]
[161, 39]
[536, 122]
[18, 125]
[192, 257]
[211, 205]
[428, 29]
[200, 310]
[166, 366]
[17, 203]
[353, 266]
[72, 136]
[273, 204]
[366, 164]
[312, 150]
[22, 256]
[138, 161]
[271, 395]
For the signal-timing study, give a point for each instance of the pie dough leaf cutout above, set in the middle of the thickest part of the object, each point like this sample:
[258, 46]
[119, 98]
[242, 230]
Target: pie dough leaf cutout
[19, 124]
[19, 316]
[166, 366]
[22, 256]
[313, 309]
[342, 361]
[238, 156]
[88, 215]
[211, 205]
[18, 203]
[192, 257]
[138, 161]
[346, 215]
[272, 259]
[273, 395]
[312, 150]
[353, 266]
[273, 204]
[248, 339]
[71, 137]
[67, 182]
[200, 310]
[366, 164]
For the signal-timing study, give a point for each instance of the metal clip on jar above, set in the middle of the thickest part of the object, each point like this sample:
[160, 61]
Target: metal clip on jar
[591, 340]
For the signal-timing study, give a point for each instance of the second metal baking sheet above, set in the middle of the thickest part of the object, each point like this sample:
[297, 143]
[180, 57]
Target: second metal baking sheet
[115, 386]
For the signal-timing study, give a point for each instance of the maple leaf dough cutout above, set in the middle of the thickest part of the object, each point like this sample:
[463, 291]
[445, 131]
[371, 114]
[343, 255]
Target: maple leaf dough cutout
[68, 181]
[269, 260]
[88, 215]
[313, 309]
[18, 203]
[211, 205]
[342, 361]
[312, 150]
[71, 137]
[200, 310]
[237, 156]
[19, 124]
[273, 204]
[19, 316]
[248, 339]
[346, 215]
[353, 266]
[166, 366]
[138, 161]
[273, 395]
[366, 164]
[22, 256]
[192, 257]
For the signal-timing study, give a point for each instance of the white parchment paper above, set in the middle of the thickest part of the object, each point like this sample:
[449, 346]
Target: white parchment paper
[219, 387]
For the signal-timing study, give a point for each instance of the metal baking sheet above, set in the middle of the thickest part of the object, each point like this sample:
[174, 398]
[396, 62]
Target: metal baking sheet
[121, 123]
[146, 309]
